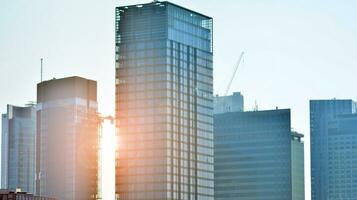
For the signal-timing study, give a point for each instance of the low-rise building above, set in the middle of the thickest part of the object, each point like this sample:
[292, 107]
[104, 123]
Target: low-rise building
[16, 195]
[231, 103]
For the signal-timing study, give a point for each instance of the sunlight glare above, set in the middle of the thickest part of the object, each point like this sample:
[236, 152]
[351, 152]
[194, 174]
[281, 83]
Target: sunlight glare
[108, 160]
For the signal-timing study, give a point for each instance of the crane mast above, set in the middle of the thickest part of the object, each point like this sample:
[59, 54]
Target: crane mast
[234, 73]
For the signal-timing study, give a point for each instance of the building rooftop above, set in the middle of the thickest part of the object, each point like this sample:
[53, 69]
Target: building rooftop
[66, 78]
[68, 87]
[334, 99]
[261, 112]
[162, 3]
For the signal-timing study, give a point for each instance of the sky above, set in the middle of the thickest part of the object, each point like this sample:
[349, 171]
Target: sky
[294, 50]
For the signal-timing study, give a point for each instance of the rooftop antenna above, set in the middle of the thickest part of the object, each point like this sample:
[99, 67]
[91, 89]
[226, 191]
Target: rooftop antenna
[41, 69]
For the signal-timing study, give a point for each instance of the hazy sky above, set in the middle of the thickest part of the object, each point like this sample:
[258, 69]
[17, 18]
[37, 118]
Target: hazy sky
[295, 50]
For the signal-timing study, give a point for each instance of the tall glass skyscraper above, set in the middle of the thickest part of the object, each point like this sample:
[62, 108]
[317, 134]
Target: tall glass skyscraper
[67, 139]
[253, 156]
[18, 148]
[321, 113]
[342, 158]
[164, 100]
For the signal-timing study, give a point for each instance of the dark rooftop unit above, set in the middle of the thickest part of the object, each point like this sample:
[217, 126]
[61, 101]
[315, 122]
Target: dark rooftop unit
[14, 195]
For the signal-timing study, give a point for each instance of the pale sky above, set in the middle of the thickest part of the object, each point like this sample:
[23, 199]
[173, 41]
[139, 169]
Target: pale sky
[295, 50]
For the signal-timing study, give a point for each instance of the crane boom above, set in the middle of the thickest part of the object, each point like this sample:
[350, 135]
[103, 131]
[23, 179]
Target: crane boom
[234, 73]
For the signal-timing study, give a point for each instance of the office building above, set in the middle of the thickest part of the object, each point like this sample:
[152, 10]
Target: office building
[18, 148]
[67, 139]
[164, 103]
[342, 158]
[321, 113]
[297, 166]
[17, 195]
[254, 153]
[231, 103]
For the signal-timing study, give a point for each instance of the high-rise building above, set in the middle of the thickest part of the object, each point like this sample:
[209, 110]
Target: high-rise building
[321, 113]
[254, 153]
[342, 158]
[231, 103]
[67, 139]
[4, 150]
[18, 148]
[164, 103]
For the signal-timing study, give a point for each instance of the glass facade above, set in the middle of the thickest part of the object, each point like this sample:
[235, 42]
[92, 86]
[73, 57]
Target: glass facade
[321, 112]
[4, 149]
[342, 158]
[18, 148]
[253, 155]
[164, 99]
[67, 139]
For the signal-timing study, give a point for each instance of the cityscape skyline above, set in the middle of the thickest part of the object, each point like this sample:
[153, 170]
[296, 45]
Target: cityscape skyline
[55, 64]
[297, 89]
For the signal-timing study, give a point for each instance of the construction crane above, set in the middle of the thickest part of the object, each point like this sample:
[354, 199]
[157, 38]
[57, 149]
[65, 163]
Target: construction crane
[234, 73]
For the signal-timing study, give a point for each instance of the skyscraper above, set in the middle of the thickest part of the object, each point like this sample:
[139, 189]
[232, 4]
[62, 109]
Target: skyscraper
[342, 158]
[18, 148]
[67, 139]
[321, 113]
[164, 100]
[254, 155]
[231, 103]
